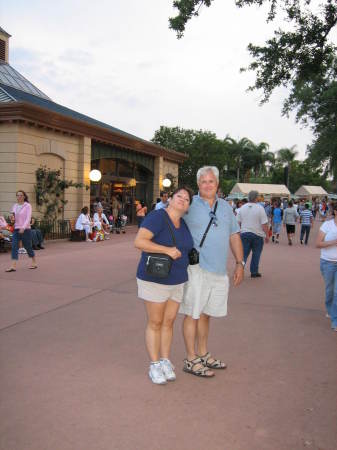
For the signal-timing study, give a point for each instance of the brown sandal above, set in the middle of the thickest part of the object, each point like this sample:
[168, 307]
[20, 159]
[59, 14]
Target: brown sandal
[215, 364]
[202, 371]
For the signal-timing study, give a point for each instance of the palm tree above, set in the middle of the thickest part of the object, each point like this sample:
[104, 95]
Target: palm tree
[286, 156]
[237, 152]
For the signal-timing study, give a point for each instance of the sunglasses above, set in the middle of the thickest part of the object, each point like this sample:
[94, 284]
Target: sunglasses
[214, 218]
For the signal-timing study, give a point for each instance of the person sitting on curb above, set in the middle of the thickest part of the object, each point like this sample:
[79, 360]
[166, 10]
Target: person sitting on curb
[85, 223]
[101, 222]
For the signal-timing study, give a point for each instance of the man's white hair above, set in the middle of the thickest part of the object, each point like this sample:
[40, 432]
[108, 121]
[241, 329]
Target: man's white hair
[204, 170]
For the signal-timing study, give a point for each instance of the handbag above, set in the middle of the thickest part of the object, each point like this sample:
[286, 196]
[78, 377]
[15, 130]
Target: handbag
[193, 255]
[158, 265]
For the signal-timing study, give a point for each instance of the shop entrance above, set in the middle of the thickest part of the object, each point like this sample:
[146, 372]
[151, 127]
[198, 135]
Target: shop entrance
[122, 184]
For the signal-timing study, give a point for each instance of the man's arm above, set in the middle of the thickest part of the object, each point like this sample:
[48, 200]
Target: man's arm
[237, 250]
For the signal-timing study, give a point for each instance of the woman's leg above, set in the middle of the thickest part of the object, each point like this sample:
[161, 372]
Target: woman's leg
[155, 316]
[87, 231]
[27, 243]
[328, 274]
[15, 248]
[333, 309]
[166, 335]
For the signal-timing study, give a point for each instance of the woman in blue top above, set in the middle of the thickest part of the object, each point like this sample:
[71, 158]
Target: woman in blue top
[163, 295]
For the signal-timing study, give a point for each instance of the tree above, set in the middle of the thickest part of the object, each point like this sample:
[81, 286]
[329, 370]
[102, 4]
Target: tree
[202, 147]
[302, 59]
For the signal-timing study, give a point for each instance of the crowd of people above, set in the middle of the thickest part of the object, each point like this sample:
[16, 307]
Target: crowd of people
[185, 242]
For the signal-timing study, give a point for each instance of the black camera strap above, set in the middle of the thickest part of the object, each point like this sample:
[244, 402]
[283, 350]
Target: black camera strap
[171, 232]
[209, 225]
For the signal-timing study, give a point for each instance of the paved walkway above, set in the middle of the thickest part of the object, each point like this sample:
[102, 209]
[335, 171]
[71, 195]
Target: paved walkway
[74, 369]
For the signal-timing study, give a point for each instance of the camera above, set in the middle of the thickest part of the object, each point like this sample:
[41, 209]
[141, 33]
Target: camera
[193, 257]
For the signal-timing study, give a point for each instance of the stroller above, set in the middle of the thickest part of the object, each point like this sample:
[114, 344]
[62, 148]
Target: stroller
[118, 225]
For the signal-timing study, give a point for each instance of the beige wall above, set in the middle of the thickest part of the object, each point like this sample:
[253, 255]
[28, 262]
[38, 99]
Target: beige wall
[172, 168]
[161, 168]
[24, 148]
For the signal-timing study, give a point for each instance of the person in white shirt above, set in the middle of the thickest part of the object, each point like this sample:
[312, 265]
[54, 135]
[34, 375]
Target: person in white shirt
[164, 201]
[254, 231]
[101, 222]
[327, 242]
[84, 222]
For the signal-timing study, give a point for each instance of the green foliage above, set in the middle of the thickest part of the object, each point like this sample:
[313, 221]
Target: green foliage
[49, 190]
[187, 9]
[238, 160]
[202, 147]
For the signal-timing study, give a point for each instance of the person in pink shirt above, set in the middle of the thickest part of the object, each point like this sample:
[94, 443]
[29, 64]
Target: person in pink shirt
[22, 212]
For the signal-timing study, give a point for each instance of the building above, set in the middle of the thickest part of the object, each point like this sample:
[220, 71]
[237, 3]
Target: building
[310, 192]
[35, 131]
[267, 190]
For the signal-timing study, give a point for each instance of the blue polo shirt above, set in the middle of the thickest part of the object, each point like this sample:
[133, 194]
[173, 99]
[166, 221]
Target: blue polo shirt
[214, 252]
[156, 223]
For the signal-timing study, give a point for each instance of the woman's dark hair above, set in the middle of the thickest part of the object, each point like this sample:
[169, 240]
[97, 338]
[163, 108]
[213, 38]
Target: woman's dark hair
[290, 203]
[84, 210]
[184, 188]
[25, 196]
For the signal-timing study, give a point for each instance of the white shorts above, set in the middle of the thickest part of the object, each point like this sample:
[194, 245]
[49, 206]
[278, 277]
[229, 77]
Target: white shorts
[205, 292]
[160, 293]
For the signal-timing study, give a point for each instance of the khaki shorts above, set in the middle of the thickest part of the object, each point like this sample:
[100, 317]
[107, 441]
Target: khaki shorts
[160, 293]
[205, 292]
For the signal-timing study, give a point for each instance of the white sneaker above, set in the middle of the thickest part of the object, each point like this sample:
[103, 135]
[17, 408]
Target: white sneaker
[168, 369]
[156, 374]
[22, 251]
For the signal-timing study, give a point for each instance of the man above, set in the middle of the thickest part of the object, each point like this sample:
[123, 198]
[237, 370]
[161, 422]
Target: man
[163, 200]
[206, 291]
[306, 220]
[254, 230]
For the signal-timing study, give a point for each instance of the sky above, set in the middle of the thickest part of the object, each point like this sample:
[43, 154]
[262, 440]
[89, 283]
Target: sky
[117, 61]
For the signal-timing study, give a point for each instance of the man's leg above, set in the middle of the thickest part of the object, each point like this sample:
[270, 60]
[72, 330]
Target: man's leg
[257, 246]
[307, 232]
[202, 334]
[246, 243]
[190, 334]
[302, 233]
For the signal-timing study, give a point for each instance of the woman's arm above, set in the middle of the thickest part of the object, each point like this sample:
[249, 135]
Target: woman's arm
[27, 216]
[143, 242]
[321, 243]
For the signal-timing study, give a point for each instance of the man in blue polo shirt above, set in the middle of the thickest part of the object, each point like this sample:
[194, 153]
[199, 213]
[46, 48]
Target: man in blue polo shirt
[206, 291]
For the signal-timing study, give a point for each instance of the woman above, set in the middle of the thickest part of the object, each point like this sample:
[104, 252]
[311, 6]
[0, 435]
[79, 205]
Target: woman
[327, 242]
[163, 295]
[290, 216]
[101, 222]
[22, 212]
[141, 211]
[84, 223]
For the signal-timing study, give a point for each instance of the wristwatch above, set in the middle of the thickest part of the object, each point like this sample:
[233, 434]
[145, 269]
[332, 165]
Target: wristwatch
[241, 262]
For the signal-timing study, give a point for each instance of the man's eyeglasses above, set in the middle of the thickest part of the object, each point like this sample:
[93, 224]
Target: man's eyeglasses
[214, 218]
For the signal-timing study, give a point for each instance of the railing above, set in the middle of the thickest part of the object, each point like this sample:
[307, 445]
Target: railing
[54, 229]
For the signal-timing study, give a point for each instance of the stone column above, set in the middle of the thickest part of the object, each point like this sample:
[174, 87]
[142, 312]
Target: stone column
[157, 176]
[84, 166]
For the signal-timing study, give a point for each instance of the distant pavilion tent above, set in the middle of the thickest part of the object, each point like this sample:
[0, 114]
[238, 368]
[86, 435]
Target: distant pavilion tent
[267, 190]
[311, 192]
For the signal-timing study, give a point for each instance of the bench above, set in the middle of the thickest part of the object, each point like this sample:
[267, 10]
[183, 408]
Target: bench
[76, 235]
